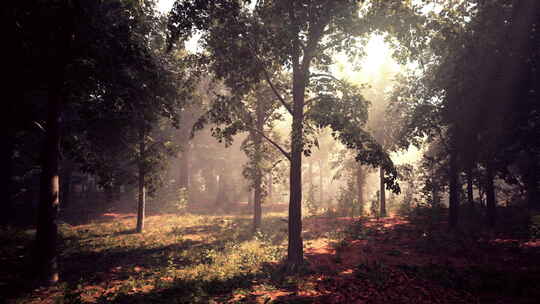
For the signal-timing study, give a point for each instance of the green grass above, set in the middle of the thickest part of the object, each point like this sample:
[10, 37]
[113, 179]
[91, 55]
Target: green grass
[194, 259]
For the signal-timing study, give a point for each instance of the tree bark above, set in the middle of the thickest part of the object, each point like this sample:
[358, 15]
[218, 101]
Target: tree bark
[491, 203]
[295, 250]
[141, 208]
[383, 193]
[257, 203]
[257, 141]
[360, 188]
[470, 194]
[7, 172]
[45, 255]
[454, 191]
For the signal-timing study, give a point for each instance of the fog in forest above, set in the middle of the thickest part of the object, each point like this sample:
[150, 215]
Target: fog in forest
[271, 151]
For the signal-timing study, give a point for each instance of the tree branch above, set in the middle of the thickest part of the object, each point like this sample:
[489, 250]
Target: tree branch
[285, 153]
[327, 76]
[283, 102]
[267, 76]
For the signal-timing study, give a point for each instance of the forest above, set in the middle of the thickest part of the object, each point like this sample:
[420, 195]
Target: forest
[271, 151]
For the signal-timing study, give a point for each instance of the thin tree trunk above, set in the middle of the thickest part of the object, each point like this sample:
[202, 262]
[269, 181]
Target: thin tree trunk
[321, 185]
[311, 185]
[257, 204]
[183, 180]
[7, 172]
[470, 194]
[141, 209]
[257, 141]
[454, 191]
[210, 182]
[360, 188]
[250, 196]
[383, 194]
[45, 255]
[491, 202]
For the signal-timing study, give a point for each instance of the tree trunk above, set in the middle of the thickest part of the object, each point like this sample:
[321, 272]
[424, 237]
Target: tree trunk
[491, 203]
[360, 188]
[454, 191]
[222, 199]
[257, 141]
[210, 182]
[7, 172]
[183, 179]
[311, 184]
[383, 195]
[141, 209]
[45, 255]
[257, 203]
[295, 250]
[321, 186]
[470, 194]
[250, 196]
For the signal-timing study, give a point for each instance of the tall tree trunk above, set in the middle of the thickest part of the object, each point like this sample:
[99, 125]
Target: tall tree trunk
[311, 184]
[454, 191]
[183, 180]
[491, 203]
[141, 208]
[7, 172]
[222, 199]
[383, 193]
[257, 141]
[257, 204]
[470, 194]
[210, 182]
[45, 255]
[250, 196]
[321, 185]
[360, 188]
[295, 250]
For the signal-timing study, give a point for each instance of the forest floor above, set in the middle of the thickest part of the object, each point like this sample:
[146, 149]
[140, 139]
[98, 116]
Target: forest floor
[214, 259]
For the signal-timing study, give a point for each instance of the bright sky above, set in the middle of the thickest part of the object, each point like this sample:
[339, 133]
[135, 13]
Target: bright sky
[164, 6]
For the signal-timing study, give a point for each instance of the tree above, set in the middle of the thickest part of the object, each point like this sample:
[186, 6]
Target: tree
[258, 116]
[303, 42]
[459, 103]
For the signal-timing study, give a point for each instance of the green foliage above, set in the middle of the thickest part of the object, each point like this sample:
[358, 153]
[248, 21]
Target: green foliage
[347, 201]
[177, 201]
